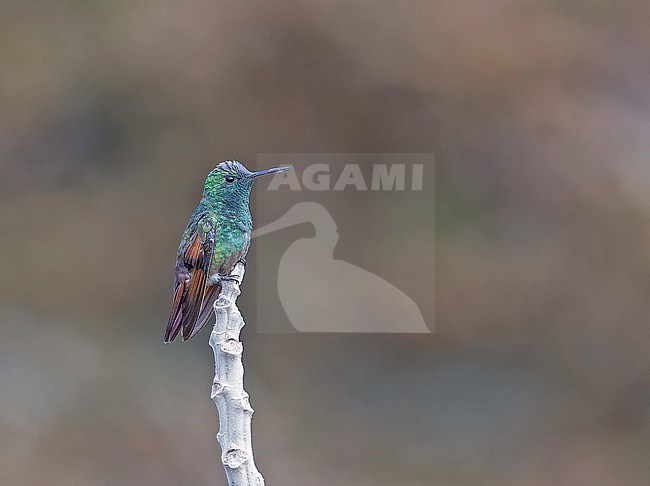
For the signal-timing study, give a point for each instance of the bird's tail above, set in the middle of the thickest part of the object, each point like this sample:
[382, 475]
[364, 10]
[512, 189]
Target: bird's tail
[176, 314]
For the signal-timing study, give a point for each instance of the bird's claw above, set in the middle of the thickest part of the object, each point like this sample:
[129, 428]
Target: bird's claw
[242, 261]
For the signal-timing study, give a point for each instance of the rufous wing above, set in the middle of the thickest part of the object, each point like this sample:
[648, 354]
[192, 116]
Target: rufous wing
[194, 261]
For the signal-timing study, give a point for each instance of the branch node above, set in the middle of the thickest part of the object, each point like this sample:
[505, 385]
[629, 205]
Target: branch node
[222, 303]
[235, 458]
[231, 346]
[217, 388]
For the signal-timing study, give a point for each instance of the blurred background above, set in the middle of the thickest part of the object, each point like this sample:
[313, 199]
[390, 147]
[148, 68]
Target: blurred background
[112, 113]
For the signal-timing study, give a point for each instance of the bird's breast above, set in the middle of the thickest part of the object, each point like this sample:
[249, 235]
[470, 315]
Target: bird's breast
[231, 244]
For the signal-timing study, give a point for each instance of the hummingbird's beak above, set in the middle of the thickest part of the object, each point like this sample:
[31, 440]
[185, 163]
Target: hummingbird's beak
[271, 171]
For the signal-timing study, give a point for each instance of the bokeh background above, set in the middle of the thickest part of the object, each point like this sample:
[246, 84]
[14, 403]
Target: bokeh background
[538, 112]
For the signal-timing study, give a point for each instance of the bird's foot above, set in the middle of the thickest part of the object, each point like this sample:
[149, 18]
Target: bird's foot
[242, 261]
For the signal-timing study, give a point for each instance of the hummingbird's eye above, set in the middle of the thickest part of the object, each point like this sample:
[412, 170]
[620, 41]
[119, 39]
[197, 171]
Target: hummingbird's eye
[230, 178]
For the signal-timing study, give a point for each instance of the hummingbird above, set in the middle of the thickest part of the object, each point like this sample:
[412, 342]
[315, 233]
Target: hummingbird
[216, 238]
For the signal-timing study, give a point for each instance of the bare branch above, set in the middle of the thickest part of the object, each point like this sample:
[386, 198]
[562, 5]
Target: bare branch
[233, 406]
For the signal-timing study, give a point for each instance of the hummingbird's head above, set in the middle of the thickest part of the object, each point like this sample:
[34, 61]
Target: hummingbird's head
[231, 178]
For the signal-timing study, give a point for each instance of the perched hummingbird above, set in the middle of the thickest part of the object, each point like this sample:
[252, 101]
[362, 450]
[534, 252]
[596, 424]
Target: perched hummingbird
[215, 240]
